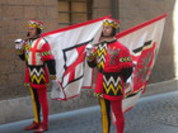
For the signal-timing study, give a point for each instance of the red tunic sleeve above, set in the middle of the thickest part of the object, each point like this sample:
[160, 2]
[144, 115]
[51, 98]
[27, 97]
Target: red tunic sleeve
[46, 52]
[125, 58]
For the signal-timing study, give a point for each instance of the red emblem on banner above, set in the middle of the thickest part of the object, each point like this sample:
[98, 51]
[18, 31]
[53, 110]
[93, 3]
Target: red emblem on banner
[143, 67]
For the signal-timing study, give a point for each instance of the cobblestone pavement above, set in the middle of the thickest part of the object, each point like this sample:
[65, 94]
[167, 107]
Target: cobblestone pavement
[155, 114]
[152, 114]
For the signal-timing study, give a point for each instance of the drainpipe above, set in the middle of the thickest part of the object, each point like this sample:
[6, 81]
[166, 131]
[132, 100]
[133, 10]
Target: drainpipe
[115, 8]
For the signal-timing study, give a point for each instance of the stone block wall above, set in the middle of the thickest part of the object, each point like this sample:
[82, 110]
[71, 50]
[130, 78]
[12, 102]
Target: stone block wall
[138, 11]
[14, 15]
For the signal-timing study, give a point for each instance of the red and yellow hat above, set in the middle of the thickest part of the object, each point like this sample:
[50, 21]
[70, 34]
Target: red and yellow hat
[36, 24]
[112, 22]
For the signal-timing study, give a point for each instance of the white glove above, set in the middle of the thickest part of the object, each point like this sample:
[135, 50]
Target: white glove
[89, 49]
[128, 86]
[128, 82]
[19, 43]
[56, 90]
[55, 84]
[134, 63]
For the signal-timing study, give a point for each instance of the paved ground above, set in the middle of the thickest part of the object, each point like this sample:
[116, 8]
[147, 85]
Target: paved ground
[153, 114]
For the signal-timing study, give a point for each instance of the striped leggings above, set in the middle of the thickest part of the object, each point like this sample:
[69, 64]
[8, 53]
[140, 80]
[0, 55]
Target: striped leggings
[116, 107]
[39, 100]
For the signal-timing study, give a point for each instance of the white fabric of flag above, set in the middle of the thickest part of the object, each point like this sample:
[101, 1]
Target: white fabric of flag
[68, 47]
[143, 41]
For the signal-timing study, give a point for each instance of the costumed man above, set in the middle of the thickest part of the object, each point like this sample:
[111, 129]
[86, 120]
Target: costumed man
[114, 64]
[40, 67]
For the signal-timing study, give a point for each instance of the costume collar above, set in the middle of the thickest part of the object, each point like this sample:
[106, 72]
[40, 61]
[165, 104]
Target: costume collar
[34, 38]
[109, 41]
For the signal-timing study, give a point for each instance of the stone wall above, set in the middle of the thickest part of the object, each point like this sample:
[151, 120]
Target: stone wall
[133, 12]
[14, 15]
[101, 8]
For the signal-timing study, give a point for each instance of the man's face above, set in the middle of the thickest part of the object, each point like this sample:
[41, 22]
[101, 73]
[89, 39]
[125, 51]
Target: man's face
[32, 32]
[107, 31]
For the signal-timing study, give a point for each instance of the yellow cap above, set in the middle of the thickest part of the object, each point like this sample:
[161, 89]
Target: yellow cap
[36, 24]
[112, 22]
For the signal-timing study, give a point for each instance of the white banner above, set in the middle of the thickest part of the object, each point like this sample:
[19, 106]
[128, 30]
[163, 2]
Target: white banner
[73, 73]
[68, 45]
[143, 41]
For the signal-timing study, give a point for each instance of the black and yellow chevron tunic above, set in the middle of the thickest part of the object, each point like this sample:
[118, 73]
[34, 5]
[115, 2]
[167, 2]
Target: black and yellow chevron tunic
[114, 64]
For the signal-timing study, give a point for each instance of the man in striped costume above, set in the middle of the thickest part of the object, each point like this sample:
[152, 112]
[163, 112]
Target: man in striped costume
[36, 53]
[114, 64]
